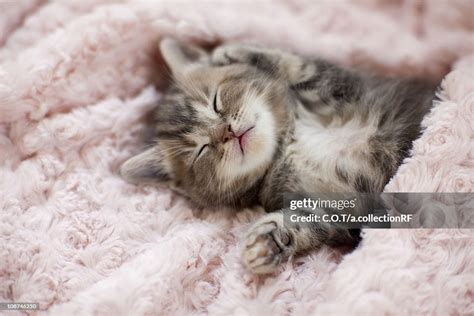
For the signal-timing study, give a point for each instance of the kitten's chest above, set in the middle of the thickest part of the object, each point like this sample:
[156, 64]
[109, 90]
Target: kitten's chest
[322, 151]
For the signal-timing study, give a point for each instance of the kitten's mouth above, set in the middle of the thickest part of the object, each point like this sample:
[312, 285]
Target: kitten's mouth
[243, 139]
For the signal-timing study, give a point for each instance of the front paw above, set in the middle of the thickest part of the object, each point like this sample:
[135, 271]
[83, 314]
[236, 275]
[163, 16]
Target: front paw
[266, 246]
[229, 54]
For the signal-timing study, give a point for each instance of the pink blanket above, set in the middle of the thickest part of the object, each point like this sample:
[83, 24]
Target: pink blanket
[76, 83]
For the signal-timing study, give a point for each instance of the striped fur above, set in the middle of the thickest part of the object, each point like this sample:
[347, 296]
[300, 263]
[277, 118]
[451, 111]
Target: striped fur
[313, 127]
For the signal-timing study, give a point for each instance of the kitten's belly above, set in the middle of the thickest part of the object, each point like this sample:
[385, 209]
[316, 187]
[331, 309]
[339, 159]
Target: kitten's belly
[328, 158]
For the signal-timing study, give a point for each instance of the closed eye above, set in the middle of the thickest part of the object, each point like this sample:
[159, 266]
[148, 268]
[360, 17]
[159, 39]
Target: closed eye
[201, 150]
[215, 103]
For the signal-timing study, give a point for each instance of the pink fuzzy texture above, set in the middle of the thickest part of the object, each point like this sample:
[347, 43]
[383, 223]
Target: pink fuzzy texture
[76, 81]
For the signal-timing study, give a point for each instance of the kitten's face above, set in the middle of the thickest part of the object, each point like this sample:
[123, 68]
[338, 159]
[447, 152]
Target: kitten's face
[218, 129]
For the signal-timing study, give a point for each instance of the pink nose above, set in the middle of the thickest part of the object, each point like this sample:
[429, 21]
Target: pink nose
[228, 134]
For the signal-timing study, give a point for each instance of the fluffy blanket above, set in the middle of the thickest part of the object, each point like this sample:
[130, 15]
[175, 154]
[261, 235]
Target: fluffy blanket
[77, 80]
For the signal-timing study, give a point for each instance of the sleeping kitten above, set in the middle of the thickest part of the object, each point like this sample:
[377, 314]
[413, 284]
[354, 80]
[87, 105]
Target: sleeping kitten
[244, 125]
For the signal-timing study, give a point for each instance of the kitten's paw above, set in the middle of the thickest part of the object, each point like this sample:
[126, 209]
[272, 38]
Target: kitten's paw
[266, 246]
[230, 54]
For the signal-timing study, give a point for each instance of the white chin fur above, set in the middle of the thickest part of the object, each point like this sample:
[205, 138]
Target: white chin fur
[261, 141]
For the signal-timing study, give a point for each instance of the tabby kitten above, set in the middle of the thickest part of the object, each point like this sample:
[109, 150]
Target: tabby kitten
[244, 125]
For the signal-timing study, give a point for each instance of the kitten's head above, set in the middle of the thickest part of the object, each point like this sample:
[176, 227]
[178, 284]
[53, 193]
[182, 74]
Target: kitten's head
[218, 129]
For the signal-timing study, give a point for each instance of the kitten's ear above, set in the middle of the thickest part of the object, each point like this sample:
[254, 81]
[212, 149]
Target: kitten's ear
[147, 167]
[178, 55]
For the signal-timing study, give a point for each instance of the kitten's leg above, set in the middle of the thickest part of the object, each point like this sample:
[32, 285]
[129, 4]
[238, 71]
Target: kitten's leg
[319, 84]
[273, 239]
[267, 244]
[274, 62]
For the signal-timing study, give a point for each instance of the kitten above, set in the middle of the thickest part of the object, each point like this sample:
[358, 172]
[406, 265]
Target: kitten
[244, 125]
